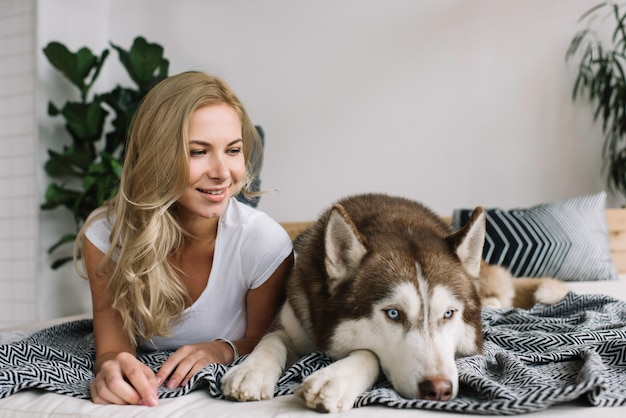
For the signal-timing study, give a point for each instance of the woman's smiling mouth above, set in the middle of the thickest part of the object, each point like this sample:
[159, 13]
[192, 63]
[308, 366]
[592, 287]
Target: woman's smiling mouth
[211, 192]
[214, 195]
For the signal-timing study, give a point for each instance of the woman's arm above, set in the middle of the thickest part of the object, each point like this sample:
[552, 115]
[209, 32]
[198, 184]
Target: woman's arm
[262, 306]
[120, 377]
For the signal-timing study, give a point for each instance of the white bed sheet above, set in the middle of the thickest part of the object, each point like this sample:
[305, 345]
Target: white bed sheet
[36, 404]
[33, 404]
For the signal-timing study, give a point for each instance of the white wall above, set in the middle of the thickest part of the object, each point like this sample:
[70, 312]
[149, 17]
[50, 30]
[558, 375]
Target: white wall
[19, 163]
[450, 102]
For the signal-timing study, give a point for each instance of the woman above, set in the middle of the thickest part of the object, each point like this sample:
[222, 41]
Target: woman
[174, 261]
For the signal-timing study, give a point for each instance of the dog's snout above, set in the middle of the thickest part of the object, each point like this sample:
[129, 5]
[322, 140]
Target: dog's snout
[435, 389]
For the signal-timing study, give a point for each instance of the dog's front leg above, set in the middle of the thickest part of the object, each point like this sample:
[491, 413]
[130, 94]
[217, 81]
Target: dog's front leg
[336, 387]
[256, 378]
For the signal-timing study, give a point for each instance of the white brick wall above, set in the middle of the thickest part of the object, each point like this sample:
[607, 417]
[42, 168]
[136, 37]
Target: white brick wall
[18, 163]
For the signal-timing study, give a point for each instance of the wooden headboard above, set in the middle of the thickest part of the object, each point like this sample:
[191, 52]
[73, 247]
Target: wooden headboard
[295, 228]
[616, 219]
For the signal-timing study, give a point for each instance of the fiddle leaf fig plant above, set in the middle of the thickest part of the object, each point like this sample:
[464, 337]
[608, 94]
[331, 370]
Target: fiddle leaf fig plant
[600, 79]
[86, 172]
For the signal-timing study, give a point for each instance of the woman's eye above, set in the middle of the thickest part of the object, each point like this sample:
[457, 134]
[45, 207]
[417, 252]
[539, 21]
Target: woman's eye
[197, 152]
[448, 314]
[234, 151]
[393, 314]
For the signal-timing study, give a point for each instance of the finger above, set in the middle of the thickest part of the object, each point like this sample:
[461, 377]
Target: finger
[113, 390]
[168, 367]
[186, 362]
[191, 366]
[194, 370]
[145, 387]
[102, 395]
[143, 381]
[180, 375]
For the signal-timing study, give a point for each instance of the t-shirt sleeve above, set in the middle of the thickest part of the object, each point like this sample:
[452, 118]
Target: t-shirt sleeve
[99, 231]
[266, 246]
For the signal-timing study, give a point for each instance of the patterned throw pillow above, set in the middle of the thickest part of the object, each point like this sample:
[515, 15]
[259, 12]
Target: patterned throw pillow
[567, 240]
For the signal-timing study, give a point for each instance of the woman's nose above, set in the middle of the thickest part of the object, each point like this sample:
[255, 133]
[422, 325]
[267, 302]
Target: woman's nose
[217, 168]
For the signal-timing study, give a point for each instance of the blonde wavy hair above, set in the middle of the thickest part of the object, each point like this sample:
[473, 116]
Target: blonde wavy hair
[144, 286]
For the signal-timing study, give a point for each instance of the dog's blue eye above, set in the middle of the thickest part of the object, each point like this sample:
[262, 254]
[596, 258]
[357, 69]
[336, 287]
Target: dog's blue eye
[449, 314]
[393, 314]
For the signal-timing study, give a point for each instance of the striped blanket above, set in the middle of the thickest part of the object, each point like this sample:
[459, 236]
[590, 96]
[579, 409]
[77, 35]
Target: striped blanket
[533, 359]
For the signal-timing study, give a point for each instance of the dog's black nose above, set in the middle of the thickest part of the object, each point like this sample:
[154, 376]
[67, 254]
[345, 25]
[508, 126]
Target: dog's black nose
[435, 389]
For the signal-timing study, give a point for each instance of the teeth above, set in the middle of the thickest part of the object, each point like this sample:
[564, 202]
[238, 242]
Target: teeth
[211, 192]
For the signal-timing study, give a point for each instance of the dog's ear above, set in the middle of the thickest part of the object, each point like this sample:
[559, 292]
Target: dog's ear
[344, 246]
[469, 242]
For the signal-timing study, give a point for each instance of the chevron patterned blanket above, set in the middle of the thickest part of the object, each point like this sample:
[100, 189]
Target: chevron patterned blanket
[533, 359]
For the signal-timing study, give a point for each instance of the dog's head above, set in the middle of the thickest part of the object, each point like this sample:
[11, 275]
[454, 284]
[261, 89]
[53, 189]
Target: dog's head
[412, 299]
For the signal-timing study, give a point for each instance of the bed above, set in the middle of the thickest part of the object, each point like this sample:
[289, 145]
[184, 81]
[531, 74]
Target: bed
[599, 302]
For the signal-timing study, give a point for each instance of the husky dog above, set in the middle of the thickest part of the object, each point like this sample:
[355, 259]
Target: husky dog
[380, 283]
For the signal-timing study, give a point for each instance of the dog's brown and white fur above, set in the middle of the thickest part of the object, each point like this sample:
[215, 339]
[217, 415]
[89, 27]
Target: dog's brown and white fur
[381, 283]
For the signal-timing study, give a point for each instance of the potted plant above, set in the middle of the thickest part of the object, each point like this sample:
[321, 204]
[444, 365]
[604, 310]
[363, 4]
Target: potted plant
[86, 172]
[600, 79]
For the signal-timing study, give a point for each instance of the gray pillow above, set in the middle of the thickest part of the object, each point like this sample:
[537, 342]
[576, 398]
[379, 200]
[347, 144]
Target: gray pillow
[567, 240]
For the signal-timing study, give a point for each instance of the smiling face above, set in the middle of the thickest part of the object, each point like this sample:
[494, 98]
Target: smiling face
[216, 162]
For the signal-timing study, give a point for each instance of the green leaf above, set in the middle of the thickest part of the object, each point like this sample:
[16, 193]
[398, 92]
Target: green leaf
[113, 165]
[144, 63]
[594, 9]
[76, 160]
[616, 56]
[98, 68]
[124, 103]
[577, 85]
[52, 109]
[63, 240]
[576, 42]
[103, 178]
[58, 195]
[116, 167]
[84, 205]
[75, 66]
[91, 179]
[619, 25]
[58, 165]
[85, 121]
[61, 261]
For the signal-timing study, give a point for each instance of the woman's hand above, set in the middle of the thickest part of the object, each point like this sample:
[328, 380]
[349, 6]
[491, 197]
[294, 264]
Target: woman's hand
[190, 359]
[123, 380]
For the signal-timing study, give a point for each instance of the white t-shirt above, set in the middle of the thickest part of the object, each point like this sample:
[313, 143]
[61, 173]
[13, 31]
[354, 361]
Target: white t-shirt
[249, 247]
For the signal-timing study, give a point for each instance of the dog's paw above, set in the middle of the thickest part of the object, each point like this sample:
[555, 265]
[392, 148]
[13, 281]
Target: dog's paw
[551, 291]
[491, 302]
[250, 383]
[324, 391]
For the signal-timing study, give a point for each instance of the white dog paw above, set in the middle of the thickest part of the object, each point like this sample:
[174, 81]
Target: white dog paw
[492, 302]
[327, 392]
[250, 383]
